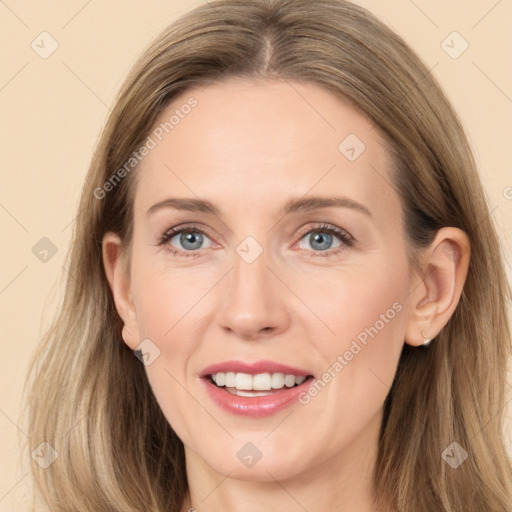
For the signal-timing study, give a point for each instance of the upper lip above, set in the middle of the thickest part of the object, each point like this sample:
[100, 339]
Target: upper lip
[253, 368]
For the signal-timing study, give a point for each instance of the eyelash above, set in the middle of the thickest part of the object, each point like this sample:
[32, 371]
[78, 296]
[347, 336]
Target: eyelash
[347, 239]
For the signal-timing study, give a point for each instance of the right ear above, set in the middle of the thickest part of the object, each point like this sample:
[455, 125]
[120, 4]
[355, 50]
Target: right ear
[119, 280]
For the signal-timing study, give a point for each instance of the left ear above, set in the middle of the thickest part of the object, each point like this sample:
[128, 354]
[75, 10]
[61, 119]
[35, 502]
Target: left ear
[437, 290]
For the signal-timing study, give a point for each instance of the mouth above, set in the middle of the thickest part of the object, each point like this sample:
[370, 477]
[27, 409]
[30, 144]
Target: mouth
[255, 389]
[261, 384]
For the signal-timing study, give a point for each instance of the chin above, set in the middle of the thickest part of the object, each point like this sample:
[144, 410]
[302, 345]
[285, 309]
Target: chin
[260, 472]
[244, 461]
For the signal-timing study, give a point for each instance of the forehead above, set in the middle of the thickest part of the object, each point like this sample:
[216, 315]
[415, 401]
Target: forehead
[245, 143]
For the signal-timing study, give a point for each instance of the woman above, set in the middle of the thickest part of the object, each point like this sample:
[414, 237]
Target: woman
[284, 223]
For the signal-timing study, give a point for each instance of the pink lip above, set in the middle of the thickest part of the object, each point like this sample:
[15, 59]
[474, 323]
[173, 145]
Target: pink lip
[259, 406]
[253, 368]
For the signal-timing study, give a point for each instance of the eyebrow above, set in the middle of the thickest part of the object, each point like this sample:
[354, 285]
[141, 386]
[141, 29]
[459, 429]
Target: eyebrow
[303, 204]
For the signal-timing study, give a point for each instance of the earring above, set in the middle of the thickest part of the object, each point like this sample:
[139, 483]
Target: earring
[426, 339]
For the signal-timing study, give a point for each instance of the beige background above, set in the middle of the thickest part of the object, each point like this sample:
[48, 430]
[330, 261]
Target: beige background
[53, 109]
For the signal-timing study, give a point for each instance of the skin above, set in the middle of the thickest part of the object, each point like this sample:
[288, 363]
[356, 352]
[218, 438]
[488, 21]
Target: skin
[248, 147]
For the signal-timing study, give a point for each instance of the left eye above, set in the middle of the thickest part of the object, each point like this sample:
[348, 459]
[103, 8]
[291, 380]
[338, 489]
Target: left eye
[321, 239]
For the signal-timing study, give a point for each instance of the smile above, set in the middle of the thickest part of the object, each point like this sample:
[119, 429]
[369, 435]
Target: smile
[254, 389]
[261, 384]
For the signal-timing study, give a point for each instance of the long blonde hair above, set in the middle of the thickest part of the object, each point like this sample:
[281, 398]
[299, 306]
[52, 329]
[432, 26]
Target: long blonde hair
[89, 397]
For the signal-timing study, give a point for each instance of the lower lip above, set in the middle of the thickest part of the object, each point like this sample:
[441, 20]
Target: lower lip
[258, 406]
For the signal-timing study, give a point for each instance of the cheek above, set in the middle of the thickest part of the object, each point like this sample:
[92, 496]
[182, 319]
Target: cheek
[167, 310]
[366, 319]
[166, 295]
[168, 306]
[162, 316]
[356, 303]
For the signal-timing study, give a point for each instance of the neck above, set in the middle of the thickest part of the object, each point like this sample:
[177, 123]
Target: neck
[340, 483]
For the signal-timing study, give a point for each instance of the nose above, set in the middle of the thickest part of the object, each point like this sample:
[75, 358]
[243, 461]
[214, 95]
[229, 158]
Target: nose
[254, 302]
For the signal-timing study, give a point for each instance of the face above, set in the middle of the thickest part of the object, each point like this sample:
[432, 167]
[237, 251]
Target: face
[268, 256]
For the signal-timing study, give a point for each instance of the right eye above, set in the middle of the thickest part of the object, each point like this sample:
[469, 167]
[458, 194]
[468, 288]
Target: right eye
[190, 238]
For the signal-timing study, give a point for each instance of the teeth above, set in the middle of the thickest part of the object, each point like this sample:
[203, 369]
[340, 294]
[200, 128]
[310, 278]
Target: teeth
[220, 379]
[243, 381]
[300, 380]
[259, 382]
[253, 393]
[289, 381]
[277, 381]
[229, 380]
